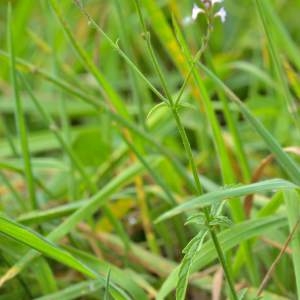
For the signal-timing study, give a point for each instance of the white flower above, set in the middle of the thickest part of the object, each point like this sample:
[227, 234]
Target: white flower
[221, 13]
[213, 2]
[210, 3]
[196, 11]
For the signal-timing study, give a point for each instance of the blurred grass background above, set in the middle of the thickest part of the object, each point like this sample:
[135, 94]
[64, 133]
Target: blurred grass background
[78, 149]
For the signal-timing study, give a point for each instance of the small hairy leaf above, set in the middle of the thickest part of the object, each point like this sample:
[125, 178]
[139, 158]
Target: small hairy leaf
[221, 220]
[196, 219]
[190, 251]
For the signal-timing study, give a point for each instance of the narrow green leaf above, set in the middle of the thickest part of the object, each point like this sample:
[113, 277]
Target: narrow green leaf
[119, 276]
[34, 240]
[97, 201]
[75, 291]
[285, 161]
[45, 246]
[226, 193]
[19, 115]
[194, 247]
[84, 96]
[106, 294]
[89, 65]
[292, 199]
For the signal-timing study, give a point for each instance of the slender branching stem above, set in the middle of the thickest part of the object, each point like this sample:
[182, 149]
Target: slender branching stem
[184, 137]
[206, 211]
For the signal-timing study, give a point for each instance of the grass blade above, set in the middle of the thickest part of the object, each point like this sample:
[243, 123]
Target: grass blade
[75, 291]
[282, 157]
[292, 200]
[19, 115]
[227, 193]
[82, 213]
[229, 238]
[32, 239]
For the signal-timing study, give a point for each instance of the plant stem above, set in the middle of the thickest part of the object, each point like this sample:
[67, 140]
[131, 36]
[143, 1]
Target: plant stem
[152, 54]
[186, 143]
[19, 115]
[199, 190]
[188, 149]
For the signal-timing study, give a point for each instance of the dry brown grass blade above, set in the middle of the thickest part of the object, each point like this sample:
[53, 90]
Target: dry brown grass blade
[151, 262]
[217, 285]
[11, 273]
[276, 245]
[281, 253]
[138, 255]
[248, 203]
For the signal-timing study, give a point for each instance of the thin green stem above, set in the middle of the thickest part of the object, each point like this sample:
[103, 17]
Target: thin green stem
[147, 37]
[187, 146]
[116, 47]
[53, 34]
[139, 91]
[188, 149]
[199, 190]
[288, 103]
[223, 262]
[19, 115]
[196, 58]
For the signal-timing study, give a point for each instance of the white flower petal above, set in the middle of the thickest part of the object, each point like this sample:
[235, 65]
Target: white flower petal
[222, 14]
[196, 11]
[213, 2]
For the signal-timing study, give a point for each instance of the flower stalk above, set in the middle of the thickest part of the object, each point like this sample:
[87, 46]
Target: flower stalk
[208, 10]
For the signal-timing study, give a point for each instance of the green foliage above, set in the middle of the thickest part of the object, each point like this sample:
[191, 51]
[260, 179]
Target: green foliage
[138, 149]
[90, 147]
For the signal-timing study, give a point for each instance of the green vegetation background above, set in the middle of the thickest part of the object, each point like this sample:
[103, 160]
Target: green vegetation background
[89, 159]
